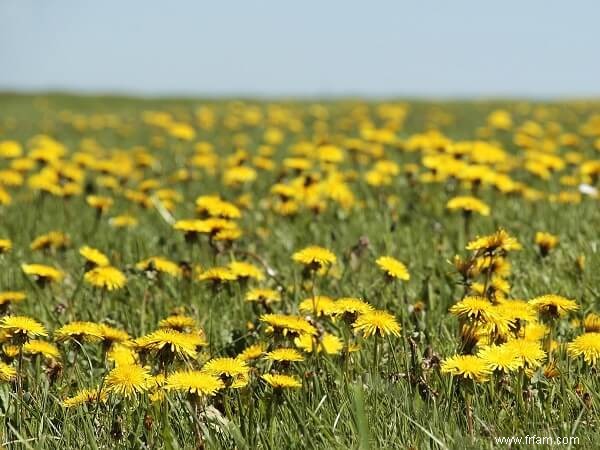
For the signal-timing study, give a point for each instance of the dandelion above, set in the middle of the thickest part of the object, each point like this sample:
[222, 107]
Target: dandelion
[93, 257]
[44, 348]
[5, 246]
[111, 335]
[123, 221]
[500, 358]
[468, 367]
[122, 355]
[498, 243]
[591, 323]
[168, 344]
[474, 308]
[545, 242]
[226, 367]
[393, 268]
[586, 345]
[85, 397]
[79, 331]
[376, 323]
[195, 382]
[7, 373]
[349, 308]
[328, 343]
[56, 240]
[99, 203]
[42, 274]
[468, 205]
[252, 352]
[529, 352]
[8, 298]
[261, 295]
[21, 328]
[107, 277]
[319, 305]
[284, 325]
[314, 257]
[128, 380]
[553, 306]
[217, 275]
[243, 270]
[279, 381]
[160, 265]
[284, 355]
[178, 322]
[214, 206]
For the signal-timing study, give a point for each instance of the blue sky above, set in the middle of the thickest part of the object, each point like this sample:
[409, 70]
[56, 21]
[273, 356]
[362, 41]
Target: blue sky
[377, 48]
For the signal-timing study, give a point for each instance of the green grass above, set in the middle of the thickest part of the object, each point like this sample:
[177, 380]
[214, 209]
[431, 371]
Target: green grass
[404, 402]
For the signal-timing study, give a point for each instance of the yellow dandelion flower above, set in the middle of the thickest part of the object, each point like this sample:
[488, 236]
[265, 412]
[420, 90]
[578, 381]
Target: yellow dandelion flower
[111, 335]
[530, 352]
[230, 367]
[159, 264]
[7, 373]
[284, 355]
[319, 305]
[499, 242]
[314, 257]
[591, 323]
[178, 322]
[497, 265]
[377, 322]
[228, 235]
[5, 246]
[9, 297]
[232, 371]
[85, 397]
[21, 328]
[217, 275]
[252, 352]
[122, 355]
[243, 270]
[284, 324]
[586, 345]
[500, 358]
[94, 257]
[279, 381]
[469, 205]
[99, 203]
[214, 206]
[350, 306]
[53, 240]
[261, 295]
[393, 268]
[170, 342]
[474, 308]
[534, 331]
[467, 366]
[545, 242]
[516, 310]
[79, 331]
[328, 343]
[107, 277]
[44, 348]
[553, 305]
[128, 380]
[123, 221]
[195, 382]
[42, 273]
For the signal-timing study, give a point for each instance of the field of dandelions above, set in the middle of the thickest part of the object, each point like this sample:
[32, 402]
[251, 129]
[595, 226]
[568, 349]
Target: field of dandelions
[348, 274]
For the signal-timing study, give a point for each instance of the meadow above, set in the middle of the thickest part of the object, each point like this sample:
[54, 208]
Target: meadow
[186, 273]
